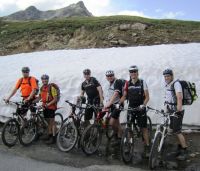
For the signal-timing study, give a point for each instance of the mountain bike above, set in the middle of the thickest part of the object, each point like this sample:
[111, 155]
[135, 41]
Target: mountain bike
[132, 133]
[160, 136]
[73, 126]
[92, 135]
[36, 126]
[11, 129]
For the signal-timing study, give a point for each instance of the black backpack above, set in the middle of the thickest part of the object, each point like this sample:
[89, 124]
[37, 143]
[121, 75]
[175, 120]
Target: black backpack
[29, 82]
[189, 92]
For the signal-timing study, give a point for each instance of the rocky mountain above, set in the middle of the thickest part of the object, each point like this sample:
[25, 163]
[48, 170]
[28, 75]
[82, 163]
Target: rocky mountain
[32, 13]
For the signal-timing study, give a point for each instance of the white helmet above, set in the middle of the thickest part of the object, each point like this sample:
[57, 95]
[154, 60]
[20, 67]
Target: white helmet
[110, 72]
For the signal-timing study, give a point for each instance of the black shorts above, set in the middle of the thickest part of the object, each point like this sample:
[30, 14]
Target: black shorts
[49, 113]
[89, 111]
[27, 107]
[176, 122]
[115, 113]
[139, 117]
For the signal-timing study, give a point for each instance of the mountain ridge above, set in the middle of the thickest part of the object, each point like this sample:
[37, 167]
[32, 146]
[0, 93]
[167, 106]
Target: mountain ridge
[32, 13]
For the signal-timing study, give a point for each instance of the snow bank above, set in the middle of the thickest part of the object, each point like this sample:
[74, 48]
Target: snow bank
[65, 68]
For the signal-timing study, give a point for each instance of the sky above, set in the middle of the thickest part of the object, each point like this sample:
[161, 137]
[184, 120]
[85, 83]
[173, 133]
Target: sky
[168, 9]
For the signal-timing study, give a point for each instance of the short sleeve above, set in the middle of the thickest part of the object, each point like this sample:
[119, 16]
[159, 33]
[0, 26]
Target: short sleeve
[33, 83]
[17, 85]
[145, 87]
[96, 83]
[54, 92]
[177, 87]
[126, 87]
[118, 86]
[82, 87]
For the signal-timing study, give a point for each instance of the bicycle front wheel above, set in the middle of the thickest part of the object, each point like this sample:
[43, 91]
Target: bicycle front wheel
[149, 127]
[155, 153]
[127, 146]
[58, 121]
[67, 136]
[28, 133]
[10, 132]
[91, 139]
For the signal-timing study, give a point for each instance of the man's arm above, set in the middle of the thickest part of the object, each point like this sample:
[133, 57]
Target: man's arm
[31, 95]
[179, 96]
[123, 98]
[55, 99]
[11, 95]
[82, 93]
[99, 88]
[146, 94]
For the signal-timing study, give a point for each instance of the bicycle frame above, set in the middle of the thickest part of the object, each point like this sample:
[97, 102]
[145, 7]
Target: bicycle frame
[162, 128]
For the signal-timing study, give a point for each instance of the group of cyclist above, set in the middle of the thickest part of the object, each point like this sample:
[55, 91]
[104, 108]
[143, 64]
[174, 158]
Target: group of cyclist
[135, 91]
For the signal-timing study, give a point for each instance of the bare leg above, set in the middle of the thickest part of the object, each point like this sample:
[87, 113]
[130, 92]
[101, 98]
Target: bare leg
[181, 140]
[145, 136]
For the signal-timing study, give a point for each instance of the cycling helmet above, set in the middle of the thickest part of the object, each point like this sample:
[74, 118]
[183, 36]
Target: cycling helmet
[168, 72]
[133, 68]
[25, 69]
[45, 77]
[87, 71]
[110, 72]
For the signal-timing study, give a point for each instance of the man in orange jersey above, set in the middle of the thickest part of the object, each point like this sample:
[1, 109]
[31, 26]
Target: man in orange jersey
[27, 85]
[49, 95]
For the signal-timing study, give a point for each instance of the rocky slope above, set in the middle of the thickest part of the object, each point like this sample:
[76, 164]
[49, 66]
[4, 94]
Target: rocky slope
[32, 13]
[93, 32]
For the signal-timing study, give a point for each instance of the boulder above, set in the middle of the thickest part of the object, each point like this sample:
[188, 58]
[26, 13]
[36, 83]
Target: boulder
[124, 27]
[138, 26]
[122, 43]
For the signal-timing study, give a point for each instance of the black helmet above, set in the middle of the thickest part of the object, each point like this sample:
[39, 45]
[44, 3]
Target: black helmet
[133, 68]
[110, 72]
[168, 72]
[44, 77]
[86, 71]
[25, 69]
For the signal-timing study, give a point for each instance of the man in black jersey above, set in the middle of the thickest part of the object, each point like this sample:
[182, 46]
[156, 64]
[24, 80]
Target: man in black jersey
[94, 93]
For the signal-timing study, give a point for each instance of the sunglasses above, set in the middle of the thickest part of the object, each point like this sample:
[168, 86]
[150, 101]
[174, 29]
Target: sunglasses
[86, 74]
[109, 75]
[26, 72]
[133, 71]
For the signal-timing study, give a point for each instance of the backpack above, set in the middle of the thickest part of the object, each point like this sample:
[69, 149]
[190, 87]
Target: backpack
[189, 92]
[50, 93]
[29, 82]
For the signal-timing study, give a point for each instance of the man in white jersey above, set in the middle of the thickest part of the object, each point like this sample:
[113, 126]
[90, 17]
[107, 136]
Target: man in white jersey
[173, 103]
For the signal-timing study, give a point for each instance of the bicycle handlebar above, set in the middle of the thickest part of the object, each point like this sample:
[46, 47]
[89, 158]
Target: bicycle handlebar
[165, 114]
[15, 103]
[80, 107]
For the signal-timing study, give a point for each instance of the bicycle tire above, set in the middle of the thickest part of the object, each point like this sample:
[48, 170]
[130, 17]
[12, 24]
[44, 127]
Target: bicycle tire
[67, 131]
[127, 146]
[14, 128]
[92, 135]
[58, 121]
[29, 127]
[154, 154]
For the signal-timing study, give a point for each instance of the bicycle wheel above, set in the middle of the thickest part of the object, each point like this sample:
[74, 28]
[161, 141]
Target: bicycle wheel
[91, 139]
[155, 154]
[149, 127]
[127, 145]
[28, 133]
[10, 132]
[58, 121]
[67, 136]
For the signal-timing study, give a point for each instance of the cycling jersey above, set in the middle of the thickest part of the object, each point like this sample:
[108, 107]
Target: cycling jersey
[46, 98]
[90, 87]
[26, 86]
